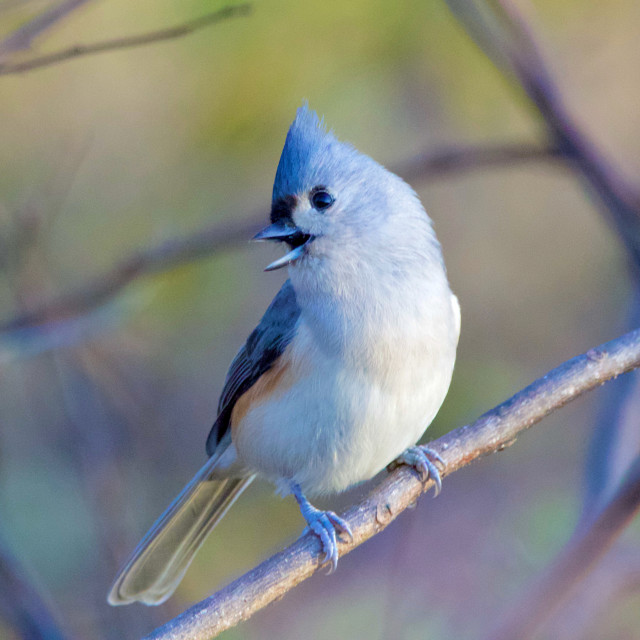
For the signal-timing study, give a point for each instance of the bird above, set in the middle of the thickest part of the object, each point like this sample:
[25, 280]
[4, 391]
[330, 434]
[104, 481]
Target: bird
[344, 372]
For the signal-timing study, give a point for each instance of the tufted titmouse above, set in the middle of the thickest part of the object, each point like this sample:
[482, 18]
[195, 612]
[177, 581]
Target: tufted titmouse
[348, 366]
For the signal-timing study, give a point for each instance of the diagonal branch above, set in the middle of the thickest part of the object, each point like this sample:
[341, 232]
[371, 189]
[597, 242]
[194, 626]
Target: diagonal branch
[505, 36]
[580, 554]
[127, 42]
[500, 21]
[492, 432]
[23, 38]
[614, 581]
[208, 241]
[167, 255]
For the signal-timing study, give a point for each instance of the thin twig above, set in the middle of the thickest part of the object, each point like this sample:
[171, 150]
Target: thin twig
[23, 37]
[492, 432]
[581, 553]
[208, 241]
[128, 42]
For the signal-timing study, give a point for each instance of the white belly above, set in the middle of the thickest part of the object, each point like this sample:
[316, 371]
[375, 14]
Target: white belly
[344, 419]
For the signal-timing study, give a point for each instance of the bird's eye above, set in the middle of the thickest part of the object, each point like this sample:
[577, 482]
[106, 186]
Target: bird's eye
[321, 199]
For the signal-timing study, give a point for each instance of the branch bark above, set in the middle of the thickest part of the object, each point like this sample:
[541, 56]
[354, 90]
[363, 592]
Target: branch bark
[494, 431]
[170, 33]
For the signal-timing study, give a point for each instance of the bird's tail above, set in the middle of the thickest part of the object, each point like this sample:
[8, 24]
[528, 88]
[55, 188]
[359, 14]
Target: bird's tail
[158, 563]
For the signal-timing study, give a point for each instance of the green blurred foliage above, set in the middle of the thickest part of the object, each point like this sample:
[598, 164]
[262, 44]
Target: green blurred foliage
[104, 154]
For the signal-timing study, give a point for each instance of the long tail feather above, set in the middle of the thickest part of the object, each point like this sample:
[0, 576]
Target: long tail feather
[158, 563]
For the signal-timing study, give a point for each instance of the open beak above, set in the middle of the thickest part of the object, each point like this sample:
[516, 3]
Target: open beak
[282, 231]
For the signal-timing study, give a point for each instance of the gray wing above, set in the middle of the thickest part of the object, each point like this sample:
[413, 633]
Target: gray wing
[263, 347]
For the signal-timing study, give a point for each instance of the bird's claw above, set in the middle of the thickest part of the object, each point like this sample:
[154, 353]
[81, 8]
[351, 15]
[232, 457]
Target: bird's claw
[325, 524]
[423, 460]
[328, 526]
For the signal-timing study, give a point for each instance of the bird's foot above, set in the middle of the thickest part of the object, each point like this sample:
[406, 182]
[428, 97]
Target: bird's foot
[327, 525]
[423, 460]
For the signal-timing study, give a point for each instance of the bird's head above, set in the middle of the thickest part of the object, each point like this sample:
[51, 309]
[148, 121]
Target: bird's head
[328, 196]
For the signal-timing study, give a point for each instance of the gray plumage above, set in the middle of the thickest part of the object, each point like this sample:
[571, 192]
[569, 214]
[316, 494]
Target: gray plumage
[263, 347]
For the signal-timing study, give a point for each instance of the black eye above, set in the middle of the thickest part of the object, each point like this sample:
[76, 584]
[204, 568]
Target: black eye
[321, 199]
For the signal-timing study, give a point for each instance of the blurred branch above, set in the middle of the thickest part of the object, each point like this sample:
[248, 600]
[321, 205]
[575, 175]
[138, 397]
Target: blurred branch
[456, 160]
[615, 442]
[127, 42]
[597, 601]
[23, 38]
[586, 547]
[494, 431]
[30, 341]
[206, 242]
[21, 603]
[501, 31]
[155, 259]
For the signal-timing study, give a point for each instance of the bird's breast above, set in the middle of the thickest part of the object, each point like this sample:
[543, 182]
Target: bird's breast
[330, 414]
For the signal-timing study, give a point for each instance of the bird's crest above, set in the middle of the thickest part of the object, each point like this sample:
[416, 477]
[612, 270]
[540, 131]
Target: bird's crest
[310, 155]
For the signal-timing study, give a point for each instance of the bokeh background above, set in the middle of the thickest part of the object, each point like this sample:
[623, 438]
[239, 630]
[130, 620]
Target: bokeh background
[100, 430]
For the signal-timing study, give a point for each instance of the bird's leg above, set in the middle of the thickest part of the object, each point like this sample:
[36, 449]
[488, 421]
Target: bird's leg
[324, 524]
[423, 460]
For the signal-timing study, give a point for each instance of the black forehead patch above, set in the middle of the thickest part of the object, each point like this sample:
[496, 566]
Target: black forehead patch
[282, 209]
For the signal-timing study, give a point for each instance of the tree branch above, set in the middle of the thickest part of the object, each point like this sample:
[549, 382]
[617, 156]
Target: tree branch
[505, 36]
[502, 31]
[579, 556]
[492, 432]
[23, 37]
[125, 43]
[205, 242]
[616, 579]
[431, 165]
[161, 257]
[615, 442]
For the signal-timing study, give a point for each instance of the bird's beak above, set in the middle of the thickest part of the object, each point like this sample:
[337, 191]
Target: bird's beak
[283, 231]
[287, 259]
[279, 230]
